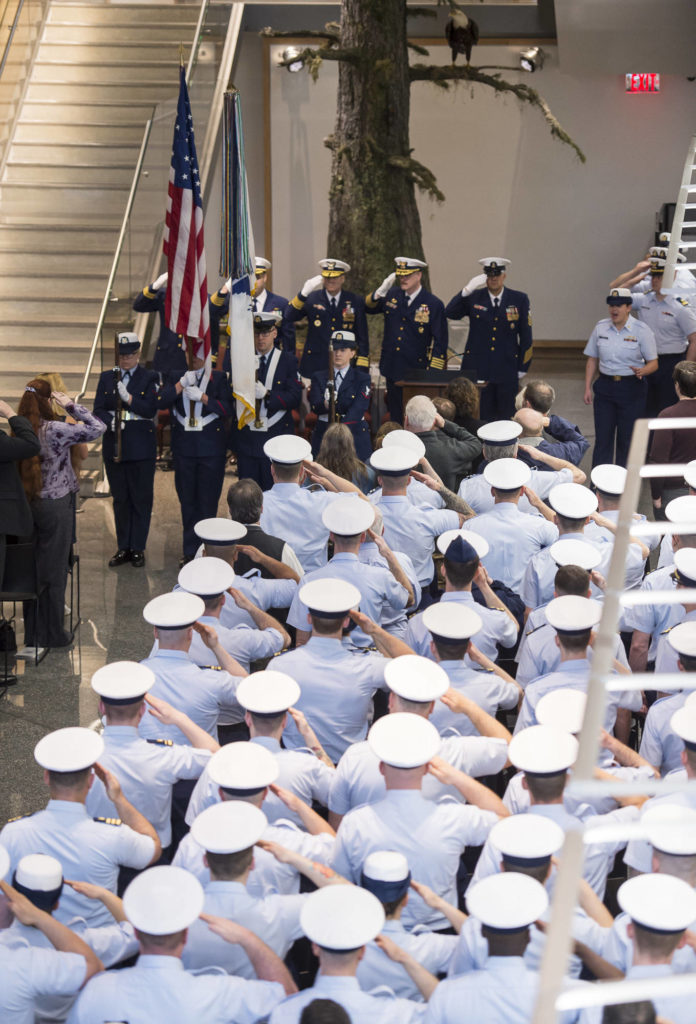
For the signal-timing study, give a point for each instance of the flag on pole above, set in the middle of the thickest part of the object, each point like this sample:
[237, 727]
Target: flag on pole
[186, 306]
[237, 259]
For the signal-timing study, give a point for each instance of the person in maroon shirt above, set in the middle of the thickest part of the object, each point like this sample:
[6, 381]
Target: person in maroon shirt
[674, 446]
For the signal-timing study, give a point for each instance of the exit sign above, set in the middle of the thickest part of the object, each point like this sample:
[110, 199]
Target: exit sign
[644, 82]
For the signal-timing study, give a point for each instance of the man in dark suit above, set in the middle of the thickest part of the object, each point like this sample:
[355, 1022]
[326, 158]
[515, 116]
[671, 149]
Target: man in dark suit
[15, 514]
[352, 396]
[278, 392]
[170, 356]
[415, 328]
[262, 301]
[131, 479]
[500, 335]
[328, 307]
[201, 405]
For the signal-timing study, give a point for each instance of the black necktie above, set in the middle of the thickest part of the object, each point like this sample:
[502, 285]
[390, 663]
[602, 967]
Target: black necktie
[253, 305]
[262, 368]
[339, 380]
[125, 377]
[496, 302]
[333, 304]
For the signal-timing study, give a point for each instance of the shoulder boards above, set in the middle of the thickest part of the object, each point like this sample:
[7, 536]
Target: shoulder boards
[19, 817]
[109, 821]
[666, 631]
[162, 742]
[684, 302]
[541, 624]
[215, 668]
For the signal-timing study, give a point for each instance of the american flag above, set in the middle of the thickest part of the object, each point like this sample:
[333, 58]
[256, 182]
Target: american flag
[186, 307]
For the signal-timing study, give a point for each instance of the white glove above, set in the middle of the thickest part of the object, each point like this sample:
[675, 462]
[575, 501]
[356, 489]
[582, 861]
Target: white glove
[311, 284]
[476, 282]
[161, 280]
[188, 378]
[327, 398]
[386, 284]
[226, 286]
[260, 390]
[521, 374]
[193, 393]
[123, 392]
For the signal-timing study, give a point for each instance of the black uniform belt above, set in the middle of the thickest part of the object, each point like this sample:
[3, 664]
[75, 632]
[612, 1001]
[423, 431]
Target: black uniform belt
[618, 377]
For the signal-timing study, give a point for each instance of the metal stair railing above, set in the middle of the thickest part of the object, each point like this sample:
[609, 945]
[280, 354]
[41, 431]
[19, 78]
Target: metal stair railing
[553, 995]
[152, 170]
[20, 17]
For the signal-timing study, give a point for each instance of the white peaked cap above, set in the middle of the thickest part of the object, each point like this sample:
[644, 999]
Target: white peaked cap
[69, 750]
[163, 900]
[415, 678]
[341, 917]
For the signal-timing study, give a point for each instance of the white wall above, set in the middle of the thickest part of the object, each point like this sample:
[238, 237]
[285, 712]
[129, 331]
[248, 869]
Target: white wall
[511, 189]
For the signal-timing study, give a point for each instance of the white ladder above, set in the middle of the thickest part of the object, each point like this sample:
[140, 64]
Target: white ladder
[686, 201]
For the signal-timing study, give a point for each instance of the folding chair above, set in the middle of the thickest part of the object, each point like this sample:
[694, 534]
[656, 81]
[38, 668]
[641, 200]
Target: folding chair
[20, 583]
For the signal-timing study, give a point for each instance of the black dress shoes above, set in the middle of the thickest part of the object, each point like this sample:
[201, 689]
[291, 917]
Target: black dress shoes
[120, 558]
[137, 559]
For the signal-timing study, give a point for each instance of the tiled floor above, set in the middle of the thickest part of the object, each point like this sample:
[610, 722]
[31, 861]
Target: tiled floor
[57, 692]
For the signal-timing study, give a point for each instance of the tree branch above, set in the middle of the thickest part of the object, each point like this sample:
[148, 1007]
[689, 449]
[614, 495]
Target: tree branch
[420, 175]
[331, 31]
[447, 73]
[312, 59]
[418, 49]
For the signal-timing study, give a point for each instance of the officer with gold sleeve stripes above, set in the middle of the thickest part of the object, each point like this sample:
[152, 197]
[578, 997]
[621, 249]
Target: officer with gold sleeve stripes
[328, 307]
[415, 328]
[88, 850]
[147, 769]
[499, 345]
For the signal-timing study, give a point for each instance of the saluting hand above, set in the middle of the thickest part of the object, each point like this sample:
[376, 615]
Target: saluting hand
[207, 634]
[111, 783]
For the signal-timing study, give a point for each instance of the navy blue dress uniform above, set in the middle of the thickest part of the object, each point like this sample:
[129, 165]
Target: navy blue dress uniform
[132, 478]
[199, 445]
[415, 329]
[170, 356]
[326, 313]
[500, 337]
[619, 394]
[277, 373]
[262, 301]
[352, 399]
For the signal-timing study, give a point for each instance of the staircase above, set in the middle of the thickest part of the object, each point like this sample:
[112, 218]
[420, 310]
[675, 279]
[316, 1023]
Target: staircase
[99, 71]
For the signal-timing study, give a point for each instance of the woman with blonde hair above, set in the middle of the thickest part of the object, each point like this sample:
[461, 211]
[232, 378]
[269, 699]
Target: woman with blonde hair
[50, 485]
[337, 453]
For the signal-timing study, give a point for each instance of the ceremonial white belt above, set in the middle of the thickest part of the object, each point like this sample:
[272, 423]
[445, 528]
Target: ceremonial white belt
[126, 415]
[269, 422]
[198, 423]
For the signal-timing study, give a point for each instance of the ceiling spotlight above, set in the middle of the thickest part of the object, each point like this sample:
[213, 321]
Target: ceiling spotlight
[532, 59]
[288, 57]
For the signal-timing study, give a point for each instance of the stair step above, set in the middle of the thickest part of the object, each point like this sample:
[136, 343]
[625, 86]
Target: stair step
[46, 132]
[105, 14]
[30, 200]
[67, 72]
[78, 153]
[79, 287]
[35, 311]
[60, 333]
[73, 175]
[87, 111]
[121, 32]
[30, 238]
[164, 53]
[62, 91]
